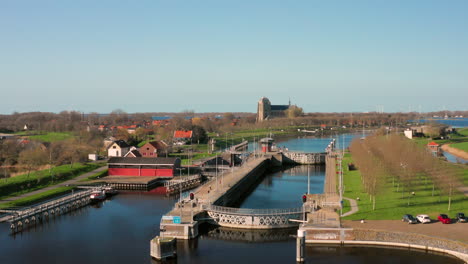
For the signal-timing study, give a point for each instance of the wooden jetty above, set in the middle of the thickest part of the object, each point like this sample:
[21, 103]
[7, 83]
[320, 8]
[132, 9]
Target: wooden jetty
[137, 183]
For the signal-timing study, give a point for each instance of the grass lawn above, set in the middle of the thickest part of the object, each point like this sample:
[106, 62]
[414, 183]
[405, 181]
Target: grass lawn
[463, 146]
[33, 199]
[391, 205]
[463, 131]
[346, 206]
[96, 176]
[46, 136]
[40, 179]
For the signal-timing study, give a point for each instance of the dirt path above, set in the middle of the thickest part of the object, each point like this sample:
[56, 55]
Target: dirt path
[454, 231]
[454, 151]
[65, 183]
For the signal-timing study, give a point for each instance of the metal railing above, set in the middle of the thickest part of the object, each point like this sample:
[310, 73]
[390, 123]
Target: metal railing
[247, 211]
[19, 214]
[183, 180]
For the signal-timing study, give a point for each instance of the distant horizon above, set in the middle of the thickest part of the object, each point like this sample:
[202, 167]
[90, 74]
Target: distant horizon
[218, 112]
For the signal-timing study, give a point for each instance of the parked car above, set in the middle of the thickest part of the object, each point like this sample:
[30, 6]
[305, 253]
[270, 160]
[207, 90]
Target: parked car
[410, 219]
[461, 218]
[444, 219]
[423, 218]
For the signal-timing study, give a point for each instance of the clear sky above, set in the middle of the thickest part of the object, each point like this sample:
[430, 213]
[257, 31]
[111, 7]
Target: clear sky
[219, 56]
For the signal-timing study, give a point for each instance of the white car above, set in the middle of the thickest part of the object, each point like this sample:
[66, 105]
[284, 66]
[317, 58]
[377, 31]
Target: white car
[423, 218]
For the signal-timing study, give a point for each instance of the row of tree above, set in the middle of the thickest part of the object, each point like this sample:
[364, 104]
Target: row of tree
[408, 165]
[210, 122]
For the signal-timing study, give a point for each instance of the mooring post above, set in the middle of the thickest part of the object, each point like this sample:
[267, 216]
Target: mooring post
[300, 246]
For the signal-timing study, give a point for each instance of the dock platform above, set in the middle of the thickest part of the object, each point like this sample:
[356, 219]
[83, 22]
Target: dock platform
[140, 183]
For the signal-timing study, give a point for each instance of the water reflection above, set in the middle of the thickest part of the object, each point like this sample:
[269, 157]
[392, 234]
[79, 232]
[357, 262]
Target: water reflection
[284, 188]
[454, 159]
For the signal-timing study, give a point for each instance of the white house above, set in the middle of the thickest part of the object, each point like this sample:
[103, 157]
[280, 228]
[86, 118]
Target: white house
[409, 133]
[118, 149]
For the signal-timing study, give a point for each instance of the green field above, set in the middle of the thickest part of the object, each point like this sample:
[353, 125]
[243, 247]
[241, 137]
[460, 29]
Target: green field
[463, 131]
[46, 136]
[463, 146]
[40, 179]
[391, 205]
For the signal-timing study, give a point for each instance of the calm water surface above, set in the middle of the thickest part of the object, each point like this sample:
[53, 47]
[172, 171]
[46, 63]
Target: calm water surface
[119, 231]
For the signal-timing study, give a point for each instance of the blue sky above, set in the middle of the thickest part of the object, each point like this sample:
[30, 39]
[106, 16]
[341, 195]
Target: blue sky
[217, 56]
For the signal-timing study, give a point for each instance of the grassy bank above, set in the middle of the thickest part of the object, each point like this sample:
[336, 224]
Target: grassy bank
[40, 179]
[37, 198]
[96, 176]
[391, 203]
[462, 146]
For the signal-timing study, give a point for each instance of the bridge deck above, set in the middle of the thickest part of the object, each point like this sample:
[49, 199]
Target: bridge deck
[213, 190]
[329, 201]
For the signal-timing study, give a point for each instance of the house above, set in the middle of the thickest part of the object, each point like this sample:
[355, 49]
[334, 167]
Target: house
[118, 149]
[434, 148]
[103, 128]
[160, 120]
[108, 141]
[139, 166]
[409, 133]
[133, 153]
[154, 149]
[181, 136]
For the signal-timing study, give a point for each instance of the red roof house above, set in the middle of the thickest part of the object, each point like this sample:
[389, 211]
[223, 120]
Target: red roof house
[181, 134]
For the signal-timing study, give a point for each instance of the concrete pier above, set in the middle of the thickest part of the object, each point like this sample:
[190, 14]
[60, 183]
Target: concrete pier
[163, 247]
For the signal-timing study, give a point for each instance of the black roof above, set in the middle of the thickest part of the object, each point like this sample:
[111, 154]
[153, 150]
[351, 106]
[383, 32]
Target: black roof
[121, 143]
[141, 161]
[279, 107]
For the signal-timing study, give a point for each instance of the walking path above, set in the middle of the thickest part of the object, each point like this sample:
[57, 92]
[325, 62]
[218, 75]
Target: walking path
[65, 183]
[354, 207]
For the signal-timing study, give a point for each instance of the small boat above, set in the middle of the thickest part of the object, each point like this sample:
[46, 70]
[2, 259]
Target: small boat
[109, 191]
[97, 196]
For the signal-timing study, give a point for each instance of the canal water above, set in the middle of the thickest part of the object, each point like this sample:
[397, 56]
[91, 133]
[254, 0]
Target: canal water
[454, 159]
[119, 230]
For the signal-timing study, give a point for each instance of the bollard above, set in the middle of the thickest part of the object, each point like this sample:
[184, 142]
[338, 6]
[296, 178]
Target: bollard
[300, 246]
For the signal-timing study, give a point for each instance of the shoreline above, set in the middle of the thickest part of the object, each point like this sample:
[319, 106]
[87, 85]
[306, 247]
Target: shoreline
[454, 151]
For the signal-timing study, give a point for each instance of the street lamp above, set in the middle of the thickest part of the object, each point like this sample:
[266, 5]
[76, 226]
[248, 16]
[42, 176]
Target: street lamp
[180, 184]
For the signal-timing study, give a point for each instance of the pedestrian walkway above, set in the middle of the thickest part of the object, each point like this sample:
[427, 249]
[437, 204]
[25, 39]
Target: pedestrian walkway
[354, 207]
[65, 183]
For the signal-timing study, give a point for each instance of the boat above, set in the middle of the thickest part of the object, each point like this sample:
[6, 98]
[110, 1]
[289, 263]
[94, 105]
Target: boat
[109, 191]
[97, 196]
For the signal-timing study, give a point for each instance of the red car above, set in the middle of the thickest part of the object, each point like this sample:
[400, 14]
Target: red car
[444, 219]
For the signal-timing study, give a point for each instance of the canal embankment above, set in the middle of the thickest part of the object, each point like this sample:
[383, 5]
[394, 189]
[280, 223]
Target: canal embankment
[454, 151]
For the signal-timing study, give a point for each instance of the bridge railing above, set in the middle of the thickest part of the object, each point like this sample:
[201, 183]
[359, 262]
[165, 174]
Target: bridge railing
[248, 211]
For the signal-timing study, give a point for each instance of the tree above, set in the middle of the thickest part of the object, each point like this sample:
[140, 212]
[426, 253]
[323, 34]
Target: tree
[199, 134]
[294, 111]
[32, 158]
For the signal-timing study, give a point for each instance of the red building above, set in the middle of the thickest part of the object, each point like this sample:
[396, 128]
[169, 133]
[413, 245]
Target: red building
[153, 149]
[139, 166]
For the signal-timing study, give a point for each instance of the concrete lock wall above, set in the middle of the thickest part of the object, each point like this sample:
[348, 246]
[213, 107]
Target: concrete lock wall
[236, 193]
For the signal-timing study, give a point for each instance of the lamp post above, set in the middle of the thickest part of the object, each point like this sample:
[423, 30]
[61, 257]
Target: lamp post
[216, 172]
[180, 186]
[308, 179]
